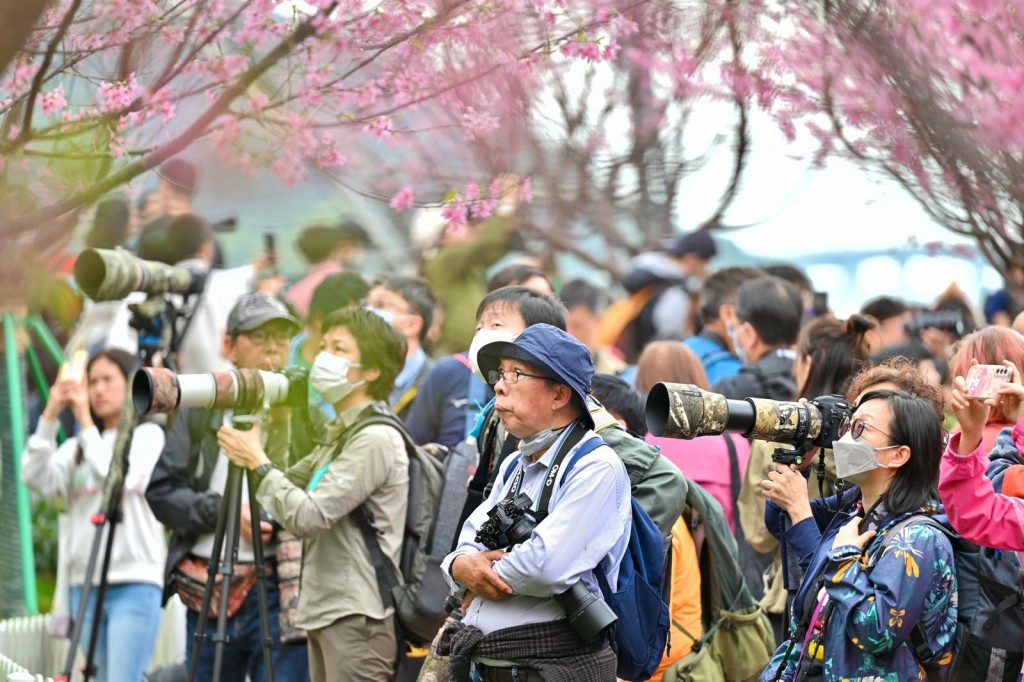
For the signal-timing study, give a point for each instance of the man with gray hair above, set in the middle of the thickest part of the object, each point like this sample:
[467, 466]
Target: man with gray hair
[513, 626]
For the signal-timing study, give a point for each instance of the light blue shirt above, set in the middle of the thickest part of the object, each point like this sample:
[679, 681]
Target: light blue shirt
[412, 368]
[588, 524]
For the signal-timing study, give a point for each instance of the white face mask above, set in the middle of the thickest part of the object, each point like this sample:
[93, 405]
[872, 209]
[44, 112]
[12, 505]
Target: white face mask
[329, 377]
[733, 332]
[855, 459]
[385, 315]
[481, 339]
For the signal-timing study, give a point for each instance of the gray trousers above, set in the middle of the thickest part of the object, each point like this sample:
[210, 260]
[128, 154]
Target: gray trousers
[353, 648]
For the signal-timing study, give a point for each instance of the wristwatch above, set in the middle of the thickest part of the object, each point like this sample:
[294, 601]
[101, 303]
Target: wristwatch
[262, 470]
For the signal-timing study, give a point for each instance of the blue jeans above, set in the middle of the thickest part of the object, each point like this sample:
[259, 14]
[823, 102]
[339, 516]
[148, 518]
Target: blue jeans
[128, 629]
[243, 653]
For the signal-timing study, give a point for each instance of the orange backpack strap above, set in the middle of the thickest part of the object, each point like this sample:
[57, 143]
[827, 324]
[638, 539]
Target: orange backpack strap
[620, 314]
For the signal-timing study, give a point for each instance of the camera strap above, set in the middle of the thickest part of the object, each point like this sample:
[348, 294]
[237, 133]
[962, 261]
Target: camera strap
[574, 435]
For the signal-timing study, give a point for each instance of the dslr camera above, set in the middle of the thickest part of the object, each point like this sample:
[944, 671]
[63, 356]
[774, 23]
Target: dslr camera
[511, 522]
[686, 411]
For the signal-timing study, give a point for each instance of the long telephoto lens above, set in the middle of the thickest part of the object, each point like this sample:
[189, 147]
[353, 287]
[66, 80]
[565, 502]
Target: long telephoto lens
[158, 390]
[687, 411]
[112, 274]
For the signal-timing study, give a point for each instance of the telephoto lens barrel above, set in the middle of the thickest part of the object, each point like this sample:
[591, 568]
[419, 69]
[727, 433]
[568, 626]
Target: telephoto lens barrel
[112, 274]
[687, 411]
[159, 390]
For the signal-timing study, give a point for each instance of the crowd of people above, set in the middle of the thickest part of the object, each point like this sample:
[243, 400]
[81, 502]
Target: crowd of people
[852, 555]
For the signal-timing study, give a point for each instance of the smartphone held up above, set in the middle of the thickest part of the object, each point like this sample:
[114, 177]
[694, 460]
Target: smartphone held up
[983, 381]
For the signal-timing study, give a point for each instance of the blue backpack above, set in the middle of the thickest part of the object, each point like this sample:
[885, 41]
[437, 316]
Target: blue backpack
[641, 632]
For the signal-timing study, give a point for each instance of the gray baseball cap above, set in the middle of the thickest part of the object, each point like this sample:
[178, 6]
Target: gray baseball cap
[254, 310]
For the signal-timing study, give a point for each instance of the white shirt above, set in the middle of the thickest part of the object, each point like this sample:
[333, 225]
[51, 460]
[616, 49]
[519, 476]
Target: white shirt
[201, 345]
[140, 550]
[588, 524]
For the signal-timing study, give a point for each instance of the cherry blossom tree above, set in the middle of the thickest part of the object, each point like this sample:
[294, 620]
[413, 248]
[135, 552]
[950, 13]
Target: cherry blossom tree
[102, 91]
[609, 144]
[930, 91]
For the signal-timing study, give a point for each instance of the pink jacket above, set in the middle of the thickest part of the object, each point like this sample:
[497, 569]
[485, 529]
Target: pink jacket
[975, 509]
[705, 460]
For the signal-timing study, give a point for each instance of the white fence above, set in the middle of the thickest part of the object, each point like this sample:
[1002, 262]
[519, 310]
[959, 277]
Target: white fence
[26, 646]
[12, 672]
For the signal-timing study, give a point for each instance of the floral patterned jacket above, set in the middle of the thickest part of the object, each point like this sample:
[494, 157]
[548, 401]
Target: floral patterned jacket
[875, 602]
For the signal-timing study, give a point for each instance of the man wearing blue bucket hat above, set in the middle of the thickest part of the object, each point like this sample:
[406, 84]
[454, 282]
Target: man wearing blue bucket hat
[514, 627]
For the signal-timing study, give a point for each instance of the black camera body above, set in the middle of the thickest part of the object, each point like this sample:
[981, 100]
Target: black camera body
[510, 522]
[835, 414]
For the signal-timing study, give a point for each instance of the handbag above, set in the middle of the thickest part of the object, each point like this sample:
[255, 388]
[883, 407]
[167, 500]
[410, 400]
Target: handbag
[189, 582]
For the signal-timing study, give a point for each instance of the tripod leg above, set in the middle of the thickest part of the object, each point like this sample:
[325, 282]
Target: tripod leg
[227, 564]
[112, 494]
[79, 622]
[218, 544]
[101, 589]
[261, 581]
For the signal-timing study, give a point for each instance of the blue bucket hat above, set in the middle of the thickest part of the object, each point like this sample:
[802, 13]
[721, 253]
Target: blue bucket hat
[554, 353]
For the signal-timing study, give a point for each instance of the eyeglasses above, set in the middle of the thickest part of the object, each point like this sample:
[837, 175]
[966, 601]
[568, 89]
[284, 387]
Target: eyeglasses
[261, 336]
[512, 376]
[856, 428]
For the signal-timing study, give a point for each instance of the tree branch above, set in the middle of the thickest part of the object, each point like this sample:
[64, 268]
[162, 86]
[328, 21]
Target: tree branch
[28, 221]
[37, 80]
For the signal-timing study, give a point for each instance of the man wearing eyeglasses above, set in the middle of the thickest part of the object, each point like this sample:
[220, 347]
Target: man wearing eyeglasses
[185, 493]
[512, 627]
[407, 304]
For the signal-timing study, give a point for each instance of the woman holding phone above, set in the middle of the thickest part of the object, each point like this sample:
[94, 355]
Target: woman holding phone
[77, 471]
[989, 346]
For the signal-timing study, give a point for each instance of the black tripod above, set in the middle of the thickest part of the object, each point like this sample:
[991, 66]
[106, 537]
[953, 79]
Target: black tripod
[225, 537]
[155, 320]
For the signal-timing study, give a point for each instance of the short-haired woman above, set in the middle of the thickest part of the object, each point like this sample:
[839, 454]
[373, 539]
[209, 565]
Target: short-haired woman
[351, 631]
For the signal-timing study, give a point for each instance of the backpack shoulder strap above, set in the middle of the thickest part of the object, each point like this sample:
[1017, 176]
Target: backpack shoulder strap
[414, 388]
[570, 441]
[894, 530]
[376, 417]
[387, 576]
[716, 357]
[734, 471]
[584, 450]
[475, 395]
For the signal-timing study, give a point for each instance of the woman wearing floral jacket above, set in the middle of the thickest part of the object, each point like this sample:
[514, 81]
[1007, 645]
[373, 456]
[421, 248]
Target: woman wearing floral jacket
[865, 591]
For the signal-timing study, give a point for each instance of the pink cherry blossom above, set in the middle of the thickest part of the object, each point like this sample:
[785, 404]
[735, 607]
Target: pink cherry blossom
[404, 200]
[53, 100]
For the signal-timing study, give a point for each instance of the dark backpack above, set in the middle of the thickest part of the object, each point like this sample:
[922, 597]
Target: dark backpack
[990, 612]
[641, 632]
[418, 590]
